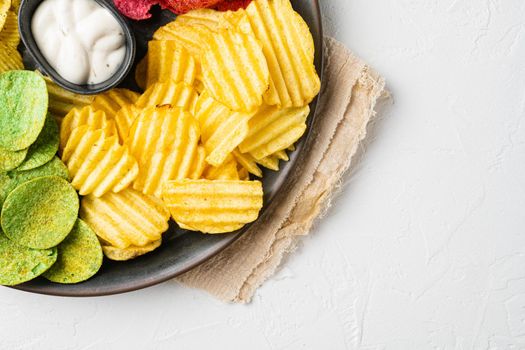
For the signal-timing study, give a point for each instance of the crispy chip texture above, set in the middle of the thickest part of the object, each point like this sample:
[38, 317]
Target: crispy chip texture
[225, 171]
[202, 17]
[192, 37]
[62, 101]
[40, 213]
[113, 100]
[124, 119]
[247, 162]
[23, 108]
[164, 141]
[198, 164]
[95, 119]
[272, 130]
[222, 130]
[168, 61]
[125, 219]
[4, 9]
[79, 256]
[9, 181]
[11, 159]
[131, 252]
[19, 264]
[44, 148]
[213, 206]
[169, 93]
[235, 71]
[9, 34]
[288, 48]
[10, 58]
[97, 162]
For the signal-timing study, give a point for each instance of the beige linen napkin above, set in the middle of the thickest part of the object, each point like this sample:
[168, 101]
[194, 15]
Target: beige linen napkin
[346, 105]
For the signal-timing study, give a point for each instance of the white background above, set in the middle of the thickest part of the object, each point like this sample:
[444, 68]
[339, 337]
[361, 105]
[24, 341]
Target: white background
[424, 250]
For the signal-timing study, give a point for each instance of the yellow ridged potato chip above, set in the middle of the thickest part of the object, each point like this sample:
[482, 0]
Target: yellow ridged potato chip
[97, 163]
[125, 219]
[270, 162]
[213, 206]
[61, 101]
[234, 70]
[9, 34]
[124, 119]
[198, 164]
[221, 129]
[192, 37]
[10, 58]
[281, 155]
[169, 93]
[288, 49]
[201, 17]
[113, 100]
[129, 253]
[15, 5]
[4, 8]
[249, 163]
[225, 171]
[85, 116]
[272, 130]
[164, 141]
[141, 73]
[168, 61]
[243, 174]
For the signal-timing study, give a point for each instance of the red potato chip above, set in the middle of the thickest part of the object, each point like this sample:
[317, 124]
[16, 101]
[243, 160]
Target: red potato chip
[135, 9]
[232, 5]
[183, 6]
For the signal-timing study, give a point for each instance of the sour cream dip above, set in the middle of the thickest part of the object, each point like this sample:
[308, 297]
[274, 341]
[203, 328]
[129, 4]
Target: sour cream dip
[80, 39]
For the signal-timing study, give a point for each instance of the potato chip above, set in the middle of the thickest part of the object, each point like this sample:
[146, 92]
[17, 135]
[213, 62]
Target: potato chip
[164, 141]
[9, 34]
[124, 219]
[225, 171]
[235, 70]
[10, 59]
[19, 264]
[141, 73]
[131, 252]
[287, 46]
[61, 101]
[272, 130]
[222, 130]
[44, 148]
[98, 163]
[169, 93]
[40, 213]
[113, 100]
[243, 174]
[15, 5]
[79, 256]
[95, 119]
[11, 159]
[270, 162]
[281, 155]
[168, 61]
[23, 108]
[124, 119]
[213, 206]
[201, 17]
[193, 38]
[198, 164]
[247, 162]
[4, 9]
[11, 180]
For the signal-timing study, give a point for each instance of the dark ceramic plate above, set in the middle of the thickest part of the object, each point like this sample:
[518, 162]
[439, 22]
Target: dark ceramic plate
[181, 250]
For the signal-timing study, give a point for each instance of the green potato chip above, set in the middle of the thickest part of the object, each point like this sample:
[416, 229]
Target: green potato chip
[40, 213]
[11, 159]
[11, 180]
[79, 256]
[20, 264]
[44, 148]
[23, 108]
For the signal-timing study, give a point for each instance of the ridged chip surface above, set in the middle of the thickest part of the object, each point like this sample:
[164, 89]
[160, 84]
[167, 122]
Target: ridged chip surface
[95, 119]
[113, 100]
[169, 93]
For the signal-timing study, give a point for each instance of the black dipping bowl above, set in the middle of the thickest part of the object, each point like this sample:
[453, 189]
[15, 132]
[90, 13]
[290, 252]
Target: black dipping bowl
[182, 250]
[25, 15]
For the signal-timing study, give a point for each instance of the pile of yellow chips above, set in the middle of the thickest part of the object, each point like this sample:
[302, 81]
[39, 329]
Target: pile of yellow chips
[224, 93]
[10, 58]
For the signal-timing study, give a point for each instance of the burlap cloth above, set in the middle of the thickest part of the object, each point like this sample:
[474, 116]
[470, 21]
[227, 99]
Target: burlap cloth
[346, 106]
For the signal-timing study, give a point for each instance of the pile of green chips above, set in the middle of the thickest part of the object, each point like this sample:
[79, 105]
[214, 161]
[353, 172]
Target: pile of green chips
[40, 231]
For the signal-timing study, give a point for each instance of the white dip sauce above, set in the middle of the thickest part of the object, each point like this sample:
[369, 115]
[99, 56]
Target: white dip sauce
[80, 39]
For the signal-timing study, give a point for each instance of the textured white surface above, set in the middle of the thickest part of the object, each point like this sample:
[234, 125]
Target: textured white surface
[424, 250]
